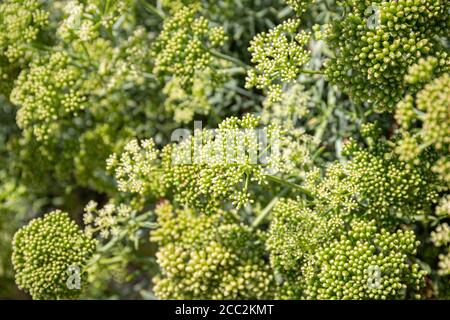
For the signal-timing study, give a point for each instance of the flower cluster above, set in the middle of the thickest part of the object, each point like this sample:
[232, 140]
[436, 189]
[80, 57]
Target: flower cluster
[47, 252]
[386, 186]
[136, 169]
[441, 237]
[425, 69]
[212, 166]
[425, 122]
[299, 6]
[376, 184]
[82, 21]
[21, 23]
[105, 221]
[15, 207]
[376, 43]
[365, 263]
[46, 93]
[184, 104]
[319, 170]
[319, 258]
[278, 56]
[296, 231]
[209, 257]
[293, 106]
[184, 46]
[443, 209]
[74, 98]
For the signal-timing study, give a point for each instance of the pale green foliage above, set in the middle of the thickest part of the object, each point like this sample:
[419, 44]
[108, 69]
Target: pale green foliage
[209, 257]
[43, 253]
[327, 175]
[186, 103]
[278, 56]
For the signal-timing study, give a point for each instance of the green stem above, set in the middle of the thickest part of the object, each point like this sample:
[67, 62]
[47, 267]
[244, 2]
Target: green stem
[311, 71]
[235, 70]
[260, 218]
[326, 117]
[289, 184]
[220, 55]
[318, 152]
[244, 92]
[153, 9]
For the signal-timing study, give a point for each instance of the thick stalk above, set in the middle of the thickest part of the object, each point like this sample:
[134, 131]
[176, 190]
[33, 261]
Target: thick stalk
[153, 9]
[260, 218]
[220, 55]
[290, 185]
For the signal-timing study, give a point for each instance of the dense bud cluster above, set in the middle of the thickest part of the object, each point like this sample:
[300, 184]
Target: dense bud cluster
[376, 42]
[45, 254]
[47, 93]
[425, 69]
[20, 25]
[425, 122]
[366, 264]
[319, 258]
[296, 231]
[82, 21]
[210, 167]
[278, 56]
[441, 238]
[209, 257]
[376, 184]
[183, 46]
[386, 186]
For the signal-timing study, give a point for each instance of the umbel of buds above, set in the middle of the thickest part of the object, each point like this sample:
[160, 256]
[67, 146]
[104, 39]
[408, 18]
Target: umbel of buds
[206, 169]
[47, 253]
